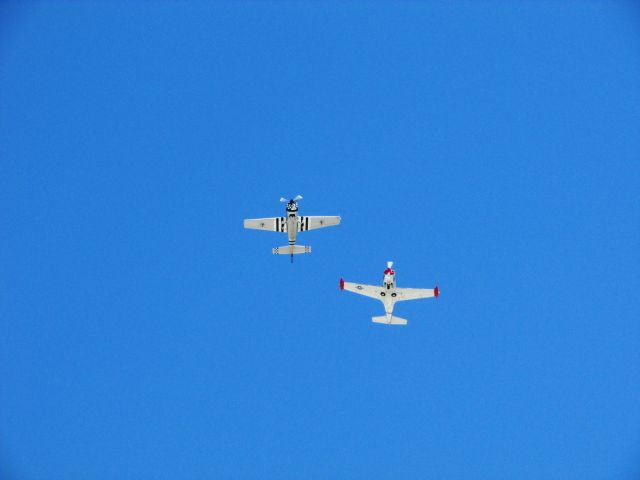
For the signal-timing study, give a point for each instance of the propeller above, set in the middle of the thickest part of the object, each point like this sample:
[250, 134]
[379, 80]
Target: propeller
[297, 197]
[389, 264]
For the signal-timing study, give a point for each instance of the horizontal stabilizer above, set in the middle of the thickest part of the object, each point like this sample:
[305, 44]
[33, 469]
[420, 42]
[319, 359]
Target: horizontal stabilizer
[291, 250]
[385, 320]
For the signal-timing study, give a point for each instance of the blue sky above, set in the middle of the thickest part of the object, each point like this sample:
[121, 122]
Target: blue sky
[490, 148]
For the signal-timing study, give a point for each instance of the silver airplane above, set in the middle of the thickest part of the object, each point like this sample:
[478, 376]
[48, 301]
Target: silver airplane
[292, 223]
[388, 294]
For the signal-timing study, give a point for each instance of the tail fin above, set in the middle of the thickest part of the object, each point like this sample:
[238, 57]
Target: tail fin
[389, 320]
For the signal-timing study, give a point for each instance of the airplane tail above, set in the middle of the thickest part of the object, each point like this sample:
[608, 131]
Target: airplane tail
[389, 320]
[291, 250]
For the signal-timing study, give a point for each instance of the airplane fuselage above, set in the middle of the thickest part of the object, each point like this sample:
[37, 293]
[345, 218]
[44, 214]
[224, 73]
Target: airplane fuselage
[292, 226]
[292, 222]
[389, 297]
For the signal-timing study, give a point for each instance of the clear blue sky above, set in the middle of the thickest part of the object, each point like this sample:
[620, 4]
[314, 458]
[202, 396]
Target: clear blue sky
[491, 148]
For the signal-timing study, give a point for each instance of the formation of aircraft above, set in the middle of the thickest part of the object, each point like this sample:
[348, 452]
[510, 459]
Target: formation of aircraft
[292, 223]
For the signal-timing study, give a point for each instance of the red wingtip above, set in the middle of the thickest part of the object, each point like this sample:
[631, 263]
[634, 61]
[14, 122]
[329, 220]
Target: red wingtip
[436, 292]
[342, 284]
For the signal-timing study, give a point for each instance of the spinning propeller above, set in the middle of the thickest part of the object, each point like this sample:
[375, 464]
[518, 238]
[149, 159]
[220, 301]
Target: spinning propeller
[284, 200]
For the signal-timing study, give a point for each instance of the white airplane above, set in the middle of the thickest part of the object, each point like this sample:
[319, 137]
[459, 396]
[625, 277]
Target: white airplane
[388, 294]
[292, 224]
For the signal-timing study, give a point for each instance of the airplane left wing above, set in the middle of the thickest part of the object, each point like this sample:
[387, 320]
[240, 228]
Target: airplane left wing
[415, 293]
[313, 223]
[274, 224]
[366, 290]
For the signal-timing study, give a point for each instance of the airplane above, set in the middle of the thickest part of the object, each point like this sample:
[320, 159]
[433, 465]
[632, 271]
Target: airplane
[292, 223]
[388, 294]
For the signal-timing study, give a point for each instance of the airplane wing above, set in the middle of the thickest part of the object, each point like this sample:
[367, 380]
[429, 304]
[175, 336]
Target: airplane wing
[415, 293]
[273, 224]
[366, 290]
[312, 223]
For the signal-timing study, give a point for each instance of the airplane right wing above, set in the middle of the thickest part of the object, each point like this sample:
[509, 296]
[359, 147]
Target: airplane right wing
[273, 224]
[366, 290]
[415, 293]
[312, 223]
